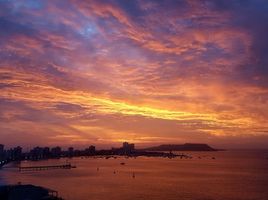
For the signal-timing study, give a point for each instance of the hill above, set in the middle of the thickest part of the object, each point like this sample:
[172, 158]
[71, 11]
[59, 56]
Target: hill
[181, 147]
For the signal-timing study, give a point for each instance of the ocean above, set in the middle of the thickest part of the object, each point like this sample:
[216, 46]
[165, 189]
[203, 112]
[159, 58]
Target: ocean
[232, 175]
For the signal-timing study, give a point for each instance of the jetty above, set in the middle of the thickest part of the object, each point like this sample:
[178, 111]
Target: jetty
[47, 167]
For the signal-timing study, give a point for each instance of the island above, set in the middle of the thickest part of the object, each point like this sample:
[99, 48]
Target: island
[182, 147]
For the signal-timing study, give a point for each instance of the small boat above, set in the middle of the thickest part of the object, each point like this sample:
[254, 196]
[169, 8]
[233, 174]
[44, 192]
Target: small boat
[122, 163]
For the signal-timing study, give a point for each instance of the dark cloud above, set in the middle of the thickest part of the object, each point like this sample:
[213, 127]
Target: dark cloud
[250, 17]
[10, 28]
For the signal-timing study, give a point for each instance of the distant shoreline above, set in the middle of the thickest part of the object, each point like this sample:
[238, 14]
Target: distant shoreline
[182, 147]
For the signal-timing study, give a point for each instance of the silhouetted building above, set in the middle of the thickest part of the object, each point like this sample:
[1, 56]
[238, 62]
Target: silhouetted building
[132, 147]
[46, 152]
[91, 150]
[70, 152]
[77, 153]
[14, 154]
[128, 148]
[36, 153]
[1, 148]
[56, 152]
[18, 153]
[1, 152]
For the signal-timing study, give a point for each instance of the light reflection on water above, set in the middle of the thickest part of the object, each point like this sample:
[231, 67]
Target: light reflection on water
[233, 175]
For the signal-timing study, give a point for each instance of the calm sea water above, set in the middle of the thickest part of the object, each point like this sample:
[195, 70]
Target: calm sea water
[233, 175]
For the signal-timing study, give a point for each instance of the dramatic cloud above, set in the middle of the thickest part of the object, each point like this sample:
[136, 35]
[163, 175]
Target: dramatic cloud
[101, 72]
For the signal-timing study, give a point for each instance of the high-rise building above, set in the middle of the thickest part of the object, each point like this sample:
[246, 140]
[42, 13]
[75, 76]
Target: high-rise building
[56, 152]
[70, 151]
[14, 154]
[17, 153]
[36, 153]
[46, 152]
[1, 152]
[1, 148]
[128, 148]
[90, 150]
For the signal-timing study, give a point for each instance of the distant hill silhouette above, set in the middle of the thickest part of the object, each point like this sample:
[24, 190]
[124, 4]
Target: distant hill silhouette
[181, 147]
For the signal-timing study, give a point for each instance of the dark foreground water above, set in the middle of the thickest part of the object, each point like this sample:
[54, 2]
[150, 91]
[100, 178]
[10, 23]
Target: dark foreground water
[233, 175]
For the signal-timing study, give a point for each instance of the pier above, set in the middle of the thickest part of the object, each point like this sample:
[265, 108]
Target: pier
[48, 167]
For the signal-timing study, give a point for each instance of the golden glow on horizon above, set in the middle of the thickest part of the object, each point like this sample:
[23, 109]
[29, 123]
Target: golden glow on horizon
[48, 97]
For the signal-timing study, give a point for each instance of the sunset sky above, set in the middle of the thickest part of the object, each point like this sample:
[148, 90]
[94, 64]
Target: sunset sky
[79, 72]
